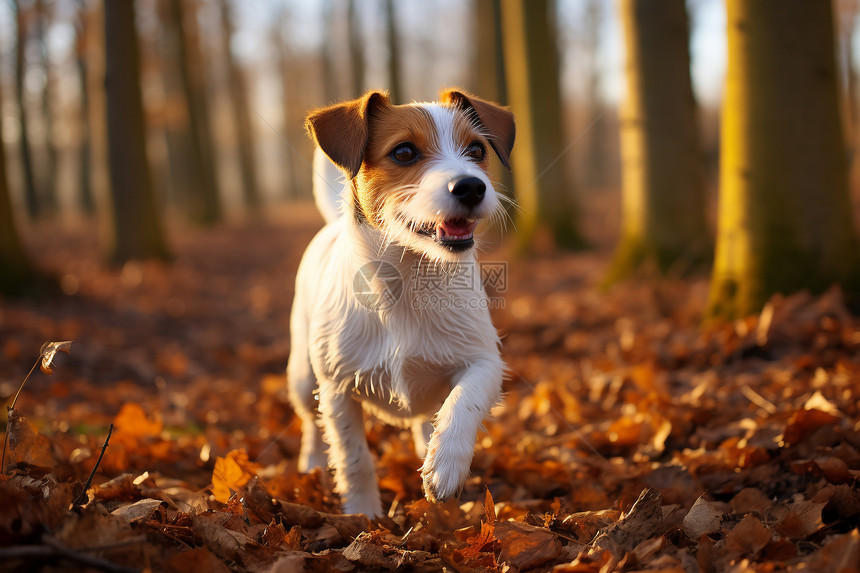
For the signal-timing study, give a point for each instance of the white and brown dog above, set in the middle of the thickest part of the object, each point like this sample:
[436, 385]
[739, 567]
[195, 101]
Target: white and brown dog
[364, 331]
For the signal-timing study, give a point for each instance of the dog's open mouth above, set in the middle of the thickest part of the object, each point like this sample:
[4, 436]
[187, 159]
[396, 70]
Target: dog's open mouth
[454, 234]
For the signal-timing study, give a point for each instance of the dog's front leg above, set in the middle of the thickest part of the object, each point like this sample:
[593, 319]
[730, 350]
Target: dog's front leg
[349, 456]
[449, 453]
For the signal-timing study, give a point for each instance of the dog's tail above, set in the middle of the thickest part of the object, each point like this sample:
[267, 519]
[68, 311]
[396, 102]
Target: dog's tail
[328, 186]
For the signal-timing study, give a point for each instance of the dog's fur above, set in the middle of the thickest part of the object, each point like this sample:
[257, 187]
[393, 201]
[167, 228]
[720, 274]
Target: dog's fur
[409, 362]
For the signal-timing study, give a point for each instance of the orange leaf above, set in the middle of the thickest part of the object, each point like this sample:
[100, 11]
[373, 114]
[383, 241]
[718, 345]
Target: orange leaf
[489, 507]
[132, 423]
[231, 473]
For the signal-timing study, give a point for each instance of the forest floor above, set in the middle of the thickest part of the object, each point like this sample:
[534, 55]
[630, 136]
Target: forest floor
[630, 436]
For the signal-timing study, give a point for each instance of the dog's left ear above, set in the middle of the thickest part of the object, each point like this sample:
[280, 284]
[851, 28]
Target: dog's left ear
[497, 120]
[341, 130]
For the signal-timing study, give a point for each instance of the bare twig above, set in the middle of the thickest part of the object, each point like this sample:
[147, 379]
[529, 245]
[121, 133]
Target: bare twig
[95, 467]
[9, 410]
[46, 357]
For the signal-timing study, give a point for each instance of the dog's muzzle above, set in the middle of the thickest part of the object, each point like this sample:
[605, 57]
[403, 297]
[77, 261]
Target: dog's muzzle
[469, 191]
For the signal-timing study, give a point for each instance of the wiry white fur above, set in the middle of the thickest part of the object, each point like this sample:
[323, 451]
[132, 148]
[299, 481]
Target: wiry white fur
[410, 363]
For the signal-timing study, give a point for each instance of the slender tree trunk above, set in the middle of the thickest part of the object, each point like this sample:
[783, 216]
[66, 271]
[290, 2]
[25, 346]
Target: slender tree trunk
[97, 125]
[489, 73]
[184, 80]
[83, 32]
[395, 89]
[241, 115]
[49, 176]
[287, 131]
[544, 194]
[595, 167]
[784, 220]
[663, 192]
[31, 192]
[356, 49]
[138, 232]
[16, 272]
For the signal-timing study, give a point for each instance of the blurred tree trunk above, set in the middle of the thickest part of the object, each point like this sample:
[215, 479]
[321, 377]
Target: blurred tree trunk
[489, 72]
[97, 125]
[241, 114]
[356, 49]
[595, 167]
[663, 191]
[83, 31]
[49, 176]
[16, 272]
[784, 221]
[545, 196]
[331, 86]
[31, 192]
[192, 166]
[287, 132]
[137, 228]
[395, 89]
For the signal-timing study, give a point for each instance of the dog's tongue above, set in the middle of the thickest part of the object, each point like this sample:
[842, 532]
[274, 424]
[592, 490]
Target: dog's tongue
[454, 229]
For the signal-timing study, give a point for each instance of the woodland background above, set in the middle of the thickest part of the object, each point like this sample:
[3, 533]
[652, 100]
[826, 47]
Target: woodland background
[682, 270]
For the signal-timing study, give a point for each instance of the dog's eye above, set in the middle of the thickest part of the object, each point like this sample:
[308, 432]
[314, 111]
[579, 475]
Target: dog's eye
[404, 153]
[476, 151]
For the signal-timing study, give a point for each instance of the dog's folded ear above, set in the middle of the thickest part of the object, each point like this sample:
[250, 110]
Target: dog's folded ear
[341, 130]
[496, 120]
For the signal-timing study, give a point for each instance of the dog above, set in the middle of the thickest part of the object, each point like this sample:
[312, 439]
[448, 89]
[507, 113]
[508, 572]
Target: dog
[384, 317]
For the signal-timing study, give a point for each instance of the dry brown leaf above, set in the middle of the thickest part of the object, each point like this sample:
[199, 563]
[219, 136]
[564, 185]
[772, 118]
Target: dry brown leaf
[49, 352]
[703, 518]
[750, 499]
[748, 537]
[841, 554]
[26, 445]
[138, 511]
[798, 519]
[524, 546]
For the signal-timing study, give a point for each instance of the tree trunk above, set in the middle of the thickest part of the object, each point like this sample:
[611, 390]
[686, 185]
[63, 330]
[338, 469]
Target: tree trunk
[16, 272]
[49, 172]
[31, 192]
[395, 89]
[137, 229]
[489, 73]
[287, 132]
[784, 220]
[189, 131]
[356, 49]
[663, 192]
[84, 33]
[544, 194]
[241, 114]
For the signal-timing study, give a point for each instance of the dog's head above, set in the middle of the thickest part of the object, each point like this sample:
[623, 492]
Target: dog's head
[418, 172]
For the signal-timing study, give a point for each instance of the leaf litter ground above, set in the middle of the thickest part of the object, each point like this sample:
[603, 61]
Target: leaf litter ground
[630, 437]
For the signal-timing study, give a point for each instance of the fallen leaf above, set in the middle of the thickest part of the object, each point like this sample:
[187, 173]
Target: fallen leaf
[231, 473]
[49, 351]
[702, 519]
[748, 537]
[525, 546]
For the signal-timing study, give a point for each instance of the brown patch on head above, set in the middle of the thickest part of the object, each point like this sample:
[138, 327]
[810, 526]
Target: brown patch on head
[496, 120]
[381, 180]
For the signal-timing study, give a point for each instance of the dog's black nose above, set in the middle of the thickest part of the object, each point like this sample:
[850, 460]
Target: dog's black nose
[468, 190]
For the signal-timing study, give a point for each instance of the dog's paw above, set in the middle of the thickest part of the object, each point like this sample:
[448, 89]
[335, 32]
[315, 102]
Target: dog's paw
[445, 469]
[370, 505]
